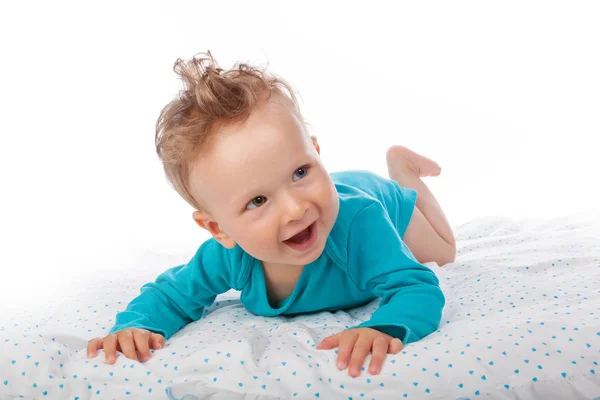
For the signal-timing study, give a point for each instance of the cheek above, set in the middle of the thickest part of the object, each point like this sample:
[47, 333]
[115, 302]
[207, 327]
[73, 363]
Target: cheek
[326, 193]
[329, 202]
[257, 233]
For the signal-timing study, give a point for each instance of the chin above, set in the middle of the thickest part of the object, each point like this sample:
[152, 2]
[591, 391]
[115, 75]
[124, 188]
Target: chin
[313, 258]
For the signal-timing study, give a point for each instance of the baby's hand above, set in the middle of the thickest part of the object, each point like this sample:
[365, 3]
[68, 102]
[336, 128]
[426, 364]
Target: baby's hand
[358, 342]
[126, 341]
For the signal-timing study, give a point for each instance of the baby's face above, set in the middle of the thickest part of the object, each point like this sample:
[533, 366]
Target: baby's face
[263, 183]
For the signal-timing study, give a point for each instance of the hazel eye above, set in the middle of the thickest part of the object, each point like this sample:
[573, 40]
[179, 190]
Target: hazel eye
[301, 172]
[256, 202]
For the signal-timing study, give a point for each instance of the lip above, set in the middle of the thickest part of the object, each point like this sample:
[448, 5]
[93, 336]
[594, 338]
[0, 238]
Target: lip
[308, 243]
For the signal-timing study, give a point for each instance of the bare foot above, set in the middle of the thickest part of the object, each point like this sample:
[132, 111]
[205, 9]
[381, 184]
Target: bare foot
[400, 158]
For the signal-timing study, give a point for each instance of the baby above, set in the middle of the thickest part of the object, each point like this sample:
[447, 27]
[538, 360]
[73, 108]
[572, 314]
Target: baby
[290, 236]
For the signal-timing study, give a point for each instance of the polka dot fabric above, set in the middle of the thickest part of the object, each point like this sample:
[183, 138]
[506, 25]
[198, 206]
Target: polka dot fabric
[520, 322]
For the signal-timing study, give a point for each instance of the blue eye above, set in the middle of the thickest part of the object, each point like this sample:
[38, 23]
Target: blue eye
[256, 202]
[301, 172]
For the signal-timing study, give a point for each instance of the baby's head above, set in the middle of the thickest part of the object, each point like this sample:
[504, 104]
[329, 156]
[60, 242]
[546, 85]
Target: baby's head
[234, 145]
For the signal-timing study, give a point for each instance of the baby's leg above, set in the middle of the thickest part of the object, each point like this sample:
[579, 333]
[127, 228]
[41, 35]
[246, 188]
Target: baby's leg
[428, 235]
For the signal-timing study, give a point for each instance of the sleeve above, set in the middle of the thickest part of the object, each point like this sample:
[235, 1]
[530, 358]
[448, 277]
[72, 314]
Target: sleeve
[179, 295]
[378, 260]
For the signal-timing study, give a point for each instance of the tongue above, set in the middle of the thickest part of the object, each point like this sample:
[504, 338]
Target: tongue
[301, 237]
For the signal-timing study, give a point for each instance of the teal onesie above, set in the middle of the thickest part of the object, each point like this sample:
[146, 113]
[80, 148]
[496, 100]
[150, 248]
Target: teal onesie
[364, 258]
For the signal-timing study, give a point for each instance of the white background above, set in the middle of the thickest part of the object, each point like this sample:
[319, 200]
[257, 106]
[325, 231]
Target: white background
[505, 96]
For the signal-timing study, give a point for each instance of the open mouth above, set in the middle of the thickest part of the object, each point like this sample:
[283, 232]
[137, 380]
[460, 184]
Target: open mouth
[304, 240]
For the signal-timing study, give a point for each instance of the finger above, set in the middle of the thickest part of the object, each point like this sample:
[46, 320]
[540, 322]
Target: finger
[378, 352]
[110, 348]
[361, 349]
[330, 342]
[347, 341]
[93, 346]
[127, 344]
[395, 346]
[141, 339]
[157, 340]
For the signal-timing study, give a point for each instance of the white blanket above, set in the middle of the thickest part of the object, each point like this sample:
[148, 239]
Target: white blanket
[521, 322]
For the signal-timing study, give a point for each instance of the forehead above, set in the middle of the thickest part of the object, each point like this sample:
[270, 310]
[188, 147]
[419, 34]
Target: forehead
[242, 157]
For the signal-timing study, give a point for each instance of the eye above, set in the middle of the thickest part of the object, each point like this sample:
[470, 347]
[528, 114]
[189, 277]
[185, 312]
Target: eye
[301, 172]
[256, 202]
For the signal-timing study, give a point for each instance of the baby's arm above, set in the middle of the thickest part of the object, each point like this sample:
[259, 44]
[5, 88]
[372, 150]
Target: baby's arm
[411, 300]
[176, 298]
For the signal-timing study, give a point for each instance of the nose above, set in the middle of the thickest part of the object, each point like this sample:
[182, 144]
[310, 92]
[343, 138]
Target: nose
[293, 208]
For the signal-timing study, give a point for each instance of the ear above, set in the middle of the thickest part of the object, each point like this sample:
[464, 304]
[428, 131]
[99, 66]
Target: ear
[206, 221]
[314, 140]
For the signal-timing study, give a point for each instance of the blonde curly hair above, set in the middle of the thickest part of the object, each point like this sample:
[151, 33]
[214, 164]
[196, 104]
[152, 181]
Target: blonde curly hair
[211, 98]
